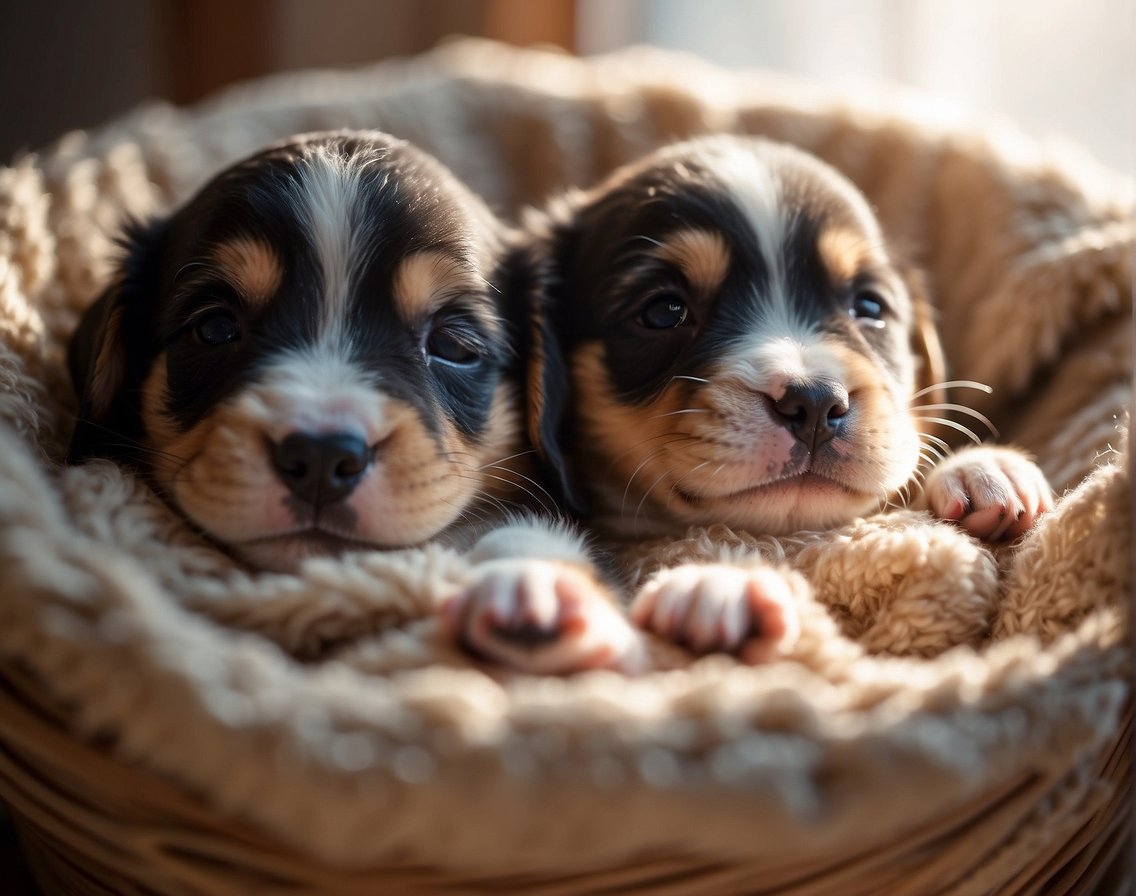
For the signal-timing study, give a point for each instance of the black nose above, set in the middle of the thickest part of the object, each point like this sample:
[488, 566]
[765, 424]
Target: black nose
[321, 468]
[812, 411]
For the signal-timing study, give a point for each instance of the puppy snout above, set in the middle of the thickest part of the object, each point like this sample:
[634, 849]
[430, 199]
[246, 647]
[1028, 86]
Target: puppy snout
[321, 468]
[812, 411]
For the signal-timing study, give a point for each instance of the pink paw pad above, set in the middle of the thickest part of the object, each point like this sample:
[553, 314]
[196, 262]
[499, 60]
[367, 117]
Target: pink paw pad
[540, 616]
[720, 609]
[994, 493]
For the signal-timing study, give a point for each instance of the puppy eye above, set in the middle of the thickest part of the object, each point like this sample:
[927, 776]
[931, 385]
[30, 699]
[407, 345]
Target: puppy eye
[868, 306]
[218, 328]
[664, 312]
[451, 344]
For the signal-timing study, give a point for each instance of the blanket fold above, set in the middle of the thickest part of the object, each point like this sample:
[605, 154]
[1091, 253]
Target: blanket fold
[952, 720]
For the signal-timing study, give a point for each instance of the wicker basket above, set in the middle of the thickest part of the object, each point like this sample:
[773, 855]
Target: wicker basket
[151, 741]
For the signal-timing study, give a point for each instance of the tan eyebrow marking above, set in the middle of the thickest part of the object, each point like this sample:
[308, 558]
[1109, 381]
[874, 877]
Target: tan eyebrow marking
[846, 252]
[422, 278]
[252, 266]
[426, 279]
[701, 255]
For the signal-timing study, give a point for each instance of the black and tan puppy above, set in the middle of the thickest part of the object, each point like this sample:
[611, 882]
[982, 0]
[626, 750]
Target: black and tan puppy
[313, 355]
[743, 347]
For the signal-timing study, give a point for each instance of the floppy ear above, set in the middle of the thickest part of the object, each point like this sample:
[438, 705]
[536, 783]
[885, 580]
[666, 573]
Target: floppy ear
[544, 372]
[106, 356]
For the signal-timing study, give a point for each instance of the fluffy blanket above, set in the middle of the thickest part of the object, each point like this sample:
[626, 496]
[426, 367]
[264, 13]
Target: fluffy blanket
[949, 722]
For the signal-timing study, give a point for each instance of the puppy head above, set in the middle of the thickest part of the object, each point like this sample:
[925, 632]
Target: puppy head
[742, 347]
[310, 355]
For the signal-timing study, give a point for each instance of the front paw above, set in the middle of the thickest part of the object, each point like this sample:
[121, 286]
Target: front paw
[993, 493]
[543, 617]
[713, 608]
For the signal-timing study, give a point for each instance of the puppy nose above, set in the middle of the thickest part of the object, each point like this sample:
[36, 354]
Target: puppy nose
[321, 468]
[812, 411]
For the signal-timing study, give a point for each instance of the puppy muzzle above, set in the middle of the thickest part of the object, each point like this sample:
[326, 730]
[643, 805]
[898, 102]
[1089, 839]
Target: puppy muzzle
[812, 410]
[321, 468]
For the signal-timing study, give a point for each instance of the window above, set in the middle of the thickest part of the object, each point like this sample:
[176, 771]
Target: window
[1054, 67]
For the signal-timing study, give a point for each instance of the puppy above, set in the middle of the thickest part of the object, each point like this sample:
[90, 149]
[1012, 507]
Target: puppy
[313, 356]
[743, 347]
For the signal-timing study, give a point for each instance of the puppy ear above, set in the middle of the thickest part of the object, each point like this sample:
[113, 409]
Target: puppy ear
[544, 371]
[105, 356]
[925, 344]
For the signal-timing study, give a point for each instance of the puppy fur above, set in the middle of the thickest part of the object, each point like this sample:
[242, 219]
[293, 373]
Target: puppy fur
[314, 355]
[742, 346]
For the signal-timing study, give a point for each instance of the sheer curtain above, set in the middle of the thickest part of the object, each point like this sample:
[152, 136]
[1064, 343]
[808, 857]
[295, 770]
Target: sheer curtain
[1059, 68]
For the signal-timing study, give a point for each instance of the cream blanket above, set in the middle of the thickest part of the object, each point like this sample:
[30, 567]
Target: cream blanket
[318, 726]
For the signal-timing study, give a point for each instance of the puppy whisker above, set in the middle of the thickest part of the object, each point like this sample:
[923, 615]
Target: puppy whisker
[721, 467]
[489, 507]
[627, 489]
[502, 460]
[524, 477]
[683, 411]
[777, 363]
[929, 459]
[527, 491]
[642, 501]
[689, 472]
[961, 409]
[958, 426]
[674, 437]
[945, 446]
[467, 515]
[931, 451]
[484, 502]
[953, 384]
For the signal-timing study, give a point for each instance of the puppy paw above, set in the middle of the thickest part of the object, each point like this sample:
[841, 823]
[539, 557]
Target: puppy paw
[720, 609]
[543, 617]
[993, 493]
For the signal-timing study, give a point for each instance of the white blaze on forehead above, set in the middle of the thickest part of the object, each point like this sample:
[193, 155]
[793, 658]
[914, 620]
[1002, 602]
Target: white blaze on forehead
[752, 184]
[328, 197]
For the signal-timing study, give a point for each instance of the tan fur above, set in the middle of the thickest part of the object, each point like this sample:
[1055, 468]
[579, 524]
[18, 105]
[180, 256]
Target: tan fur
[225, 480]
[845, 252]
[772, 772]
[219, 471]
[701, 255]
[684, 459]
[252, 267]
[427, 279]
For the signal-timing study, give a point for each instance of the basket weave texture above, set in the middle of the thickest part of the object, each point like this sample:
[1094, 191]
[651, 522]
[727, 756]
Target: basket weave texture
[953, 721]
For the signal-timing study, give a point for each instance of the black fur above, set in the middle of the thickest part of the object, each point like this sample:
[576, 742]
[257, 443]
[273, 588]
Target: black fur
[601, 276]
[163, 290]
[108, 425]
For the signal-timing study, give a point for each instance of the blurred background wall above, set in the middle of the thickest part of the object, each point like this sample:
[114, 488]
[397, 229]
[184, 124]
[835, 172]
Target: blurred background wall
[1055, 66]
[67, 64]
